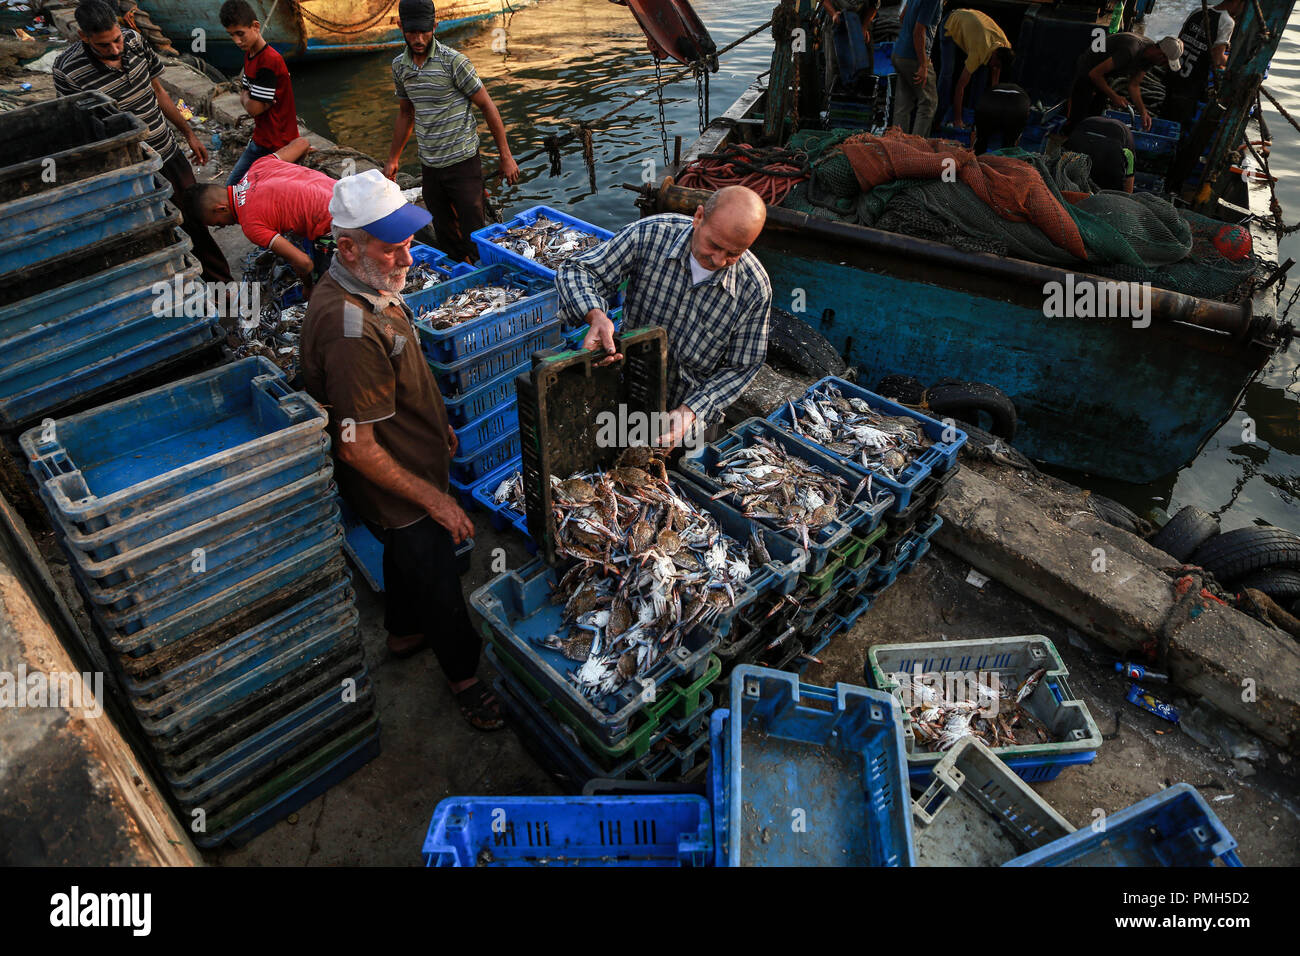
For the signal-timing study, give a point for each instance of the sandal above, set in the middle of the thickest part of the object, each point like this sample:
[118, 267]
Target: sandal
[478, 705]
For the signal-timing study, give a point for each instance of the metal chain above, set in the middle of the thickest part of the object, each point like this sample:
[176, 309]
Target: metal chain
[663, 123]
[702, 91]
[1295, 294]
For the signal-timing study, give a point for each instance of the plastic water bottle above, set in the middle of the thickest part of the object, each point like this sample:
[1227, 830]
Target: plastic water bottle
[214, 150]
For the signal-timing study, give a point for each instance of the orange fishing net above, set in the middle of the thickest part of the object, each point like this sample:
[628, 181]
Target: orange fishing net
[1009, 187]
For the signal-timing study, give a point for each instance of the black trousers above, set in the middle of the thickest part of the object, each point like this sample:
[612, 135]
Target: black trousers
[180, 174]
[454, 197]
[422, 595]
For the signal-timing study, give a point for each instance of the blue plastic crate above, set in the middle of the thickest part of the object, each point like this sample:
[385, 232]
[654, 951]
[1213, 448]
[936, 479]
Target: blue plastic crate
[835, 753]
[130, 566]
[178, 586]
[478, 401]
[1148, 183]
[268, 633]
[53, 207]
[719, 778]
[883, 58]
[305, 782]
[860, 517]
[108, 464]
[466, 470]
[264, 484]
[631, 830]
[1174, 827]
[68, 235]
[463, 375]
[88, 294]
[938, 458]
[1076, 737]
[488, 428]
[502, 515]
[294, 571]
[204, 784]
[439, 261]
[82, 381]
[1166, 129]
[489, 252]
[675, 745]
[537, 308]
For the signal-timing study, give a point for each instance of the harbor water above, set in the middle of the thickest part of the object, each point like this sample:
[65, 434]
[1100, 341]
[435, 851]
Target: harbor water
[560, 62]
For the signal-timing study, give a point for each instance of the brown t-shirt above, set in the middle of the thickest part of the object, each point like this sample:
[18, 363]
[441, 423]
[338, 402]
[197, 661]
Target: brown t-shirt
[361, 359]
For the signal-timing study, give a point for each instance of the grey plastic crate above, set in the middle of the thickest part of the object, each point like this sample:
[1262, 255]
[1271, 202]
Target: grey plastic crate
[977, 812]
[1068, 719]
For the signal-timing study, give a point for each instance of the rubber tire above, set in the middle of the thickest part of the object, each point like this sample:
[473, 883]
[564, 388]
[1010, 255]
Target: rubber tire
[1234, 554]
[1185, 532]
[1281, 584]
[1112, 512]
[965, 400]
[903, 389]
[794, 345]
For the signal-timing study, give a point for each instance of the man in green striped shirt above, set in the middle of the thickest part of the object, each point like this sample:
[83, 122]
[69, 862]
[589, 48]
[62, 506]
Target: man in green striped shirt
[435, 87]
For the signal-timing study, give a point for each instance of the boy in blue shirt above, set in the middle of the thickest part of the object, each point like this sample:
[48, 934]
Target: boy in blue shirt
[916, 88]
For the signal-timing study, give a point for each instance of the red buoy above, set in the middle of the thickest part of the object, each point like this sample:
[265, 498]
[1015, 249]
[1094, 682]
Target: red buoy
[1233, 242]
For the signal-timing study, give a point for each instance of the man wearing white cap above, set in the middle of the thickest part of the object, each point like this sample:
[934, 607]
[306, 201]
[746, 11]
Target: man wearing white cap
[392, 444]
[1119, 55]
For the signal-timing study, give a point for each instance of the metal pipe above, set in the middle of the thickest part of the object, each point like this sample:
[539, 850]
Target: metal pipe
[1233, 318]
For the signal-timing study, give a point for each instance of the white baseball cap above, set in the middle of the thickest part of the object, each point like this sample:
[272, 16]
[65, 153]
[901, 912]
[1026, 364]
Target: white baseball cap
[1172, 47]
[371, 202]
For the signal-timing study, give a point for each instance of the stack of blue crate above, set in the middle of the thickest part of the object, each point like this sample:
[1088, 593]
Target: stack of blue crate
[95, 276]
[200, 524]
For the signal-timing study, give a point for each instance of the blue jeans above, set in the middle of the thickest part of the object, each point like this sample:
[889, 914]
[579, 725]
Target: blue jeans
[252, 153]
[952, 62]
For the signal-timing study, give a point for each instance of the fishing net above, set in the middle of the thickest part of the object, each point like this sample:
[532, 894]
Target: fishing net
[1139, 237]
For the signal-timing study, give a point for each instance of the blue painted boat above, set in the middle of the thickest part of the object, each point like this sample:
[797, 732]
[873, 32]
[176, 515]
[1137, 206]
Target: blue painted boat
[1093, 395]
[310, 29]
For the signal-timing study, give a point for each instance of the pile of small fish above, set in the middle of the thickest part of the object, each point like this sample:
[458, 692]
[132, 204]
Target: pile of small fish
[995, 715]
[511, 493]
[850, 428]
[772, 484]
[470, 304]
[650, 566]
[420, 277]
[546, 242]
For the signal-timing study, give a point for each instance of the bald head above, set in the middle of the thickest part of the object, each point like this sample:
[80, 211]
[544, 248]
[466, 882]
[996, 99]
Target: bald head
[727, 225]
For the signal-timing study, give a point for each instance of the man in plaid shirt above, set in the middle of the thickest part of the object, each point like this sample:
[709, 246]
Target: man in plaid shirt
[697, 279]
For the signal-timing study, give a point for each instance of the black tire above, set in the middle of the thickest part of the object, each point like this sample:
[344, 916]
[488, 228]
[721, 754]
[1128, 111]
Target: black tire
[1112, 512]
[794, 345]
[1235, 554]
[1281, 584]
[901, 388]
[1185, 532]
[967, 400]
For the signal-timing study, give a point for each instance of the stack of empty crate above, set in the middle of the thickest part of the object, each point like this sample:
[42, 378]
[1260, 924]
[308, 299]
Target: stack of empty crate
[200, 524]
[86, 236]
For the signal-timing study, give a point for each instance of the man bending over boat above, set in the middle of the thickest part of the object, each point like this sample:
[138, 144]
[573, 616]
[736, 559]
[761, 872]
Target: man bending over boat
[1123, 55]
[278, 204]
[695, 277]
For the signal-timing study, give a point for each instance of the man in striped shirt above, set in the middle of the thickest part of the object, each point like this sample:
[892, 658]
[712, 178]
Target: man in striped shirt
[119, 64]
[696, 278]
[435, 87]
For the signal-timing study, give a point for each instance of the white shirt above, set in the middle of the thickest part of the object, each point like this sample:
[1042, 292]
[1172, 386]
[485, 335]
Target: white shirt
[698, 272]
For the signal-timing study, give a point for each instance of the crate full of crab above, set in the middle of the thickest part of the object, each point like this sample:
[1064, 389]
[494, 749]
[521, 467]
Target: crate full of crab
[641, 574]
[1011, 693]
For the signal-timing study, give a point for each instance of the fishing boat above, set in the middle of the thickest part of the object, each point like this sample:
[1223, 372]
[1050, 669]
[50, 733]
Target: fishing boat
[1094, 395]
[311, 29]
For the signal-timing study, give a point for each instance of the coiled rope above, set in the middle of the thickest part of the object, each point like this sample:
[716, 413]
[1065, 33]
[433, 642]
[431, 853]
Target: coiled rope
[770, 171]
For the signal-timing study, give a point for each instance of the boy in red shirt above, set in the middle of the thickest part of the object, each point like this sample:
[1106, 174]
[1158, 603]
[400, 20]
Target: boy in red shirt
[277, 204]
[266, 92]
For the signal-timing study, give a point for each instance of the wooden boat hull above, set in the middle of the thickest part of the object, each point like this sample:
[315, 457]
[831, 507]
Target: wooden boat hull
[1093, 395]
[304, 30]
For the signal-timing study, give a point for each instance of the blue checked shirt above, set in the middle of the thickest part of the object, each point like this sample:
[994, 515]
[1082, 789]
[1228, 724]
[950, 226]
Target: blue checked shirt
[717, 330]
